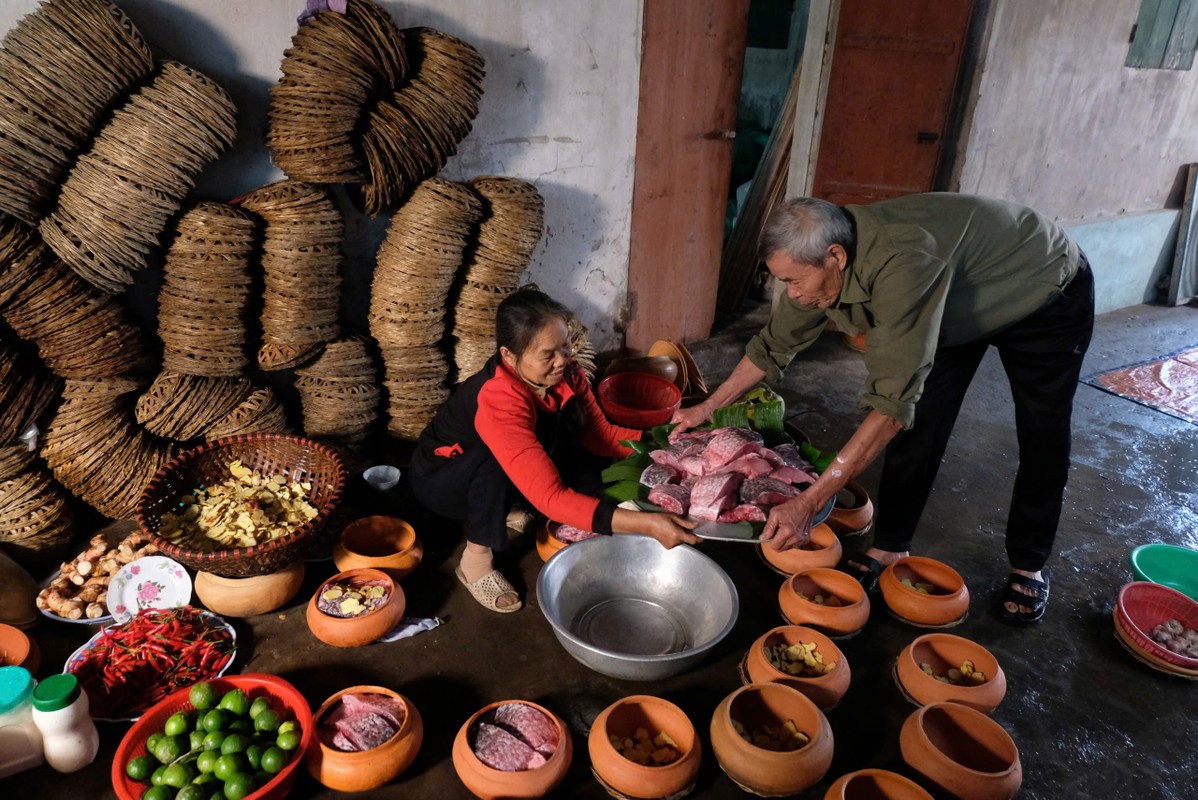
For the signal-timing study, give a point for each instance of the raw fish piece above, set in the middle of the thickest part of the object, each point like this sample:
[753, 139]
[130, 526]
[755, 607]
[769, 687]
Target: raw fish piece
[500, 750]
[533, 727]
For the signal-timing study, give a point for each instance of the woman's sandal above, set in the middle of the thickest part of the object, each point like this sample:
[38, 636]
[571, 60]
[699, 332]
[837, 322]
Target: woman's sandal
[1036, 602]
[489, 588]
[864, 569]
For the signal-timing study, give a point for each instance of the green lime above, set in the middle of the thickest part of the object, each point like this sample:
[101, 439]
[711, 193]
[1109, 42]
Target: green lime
[233, 743]
[195, 740]
[259, 705]
[253, 754]
[241, 726]
[152, 741]
[169, 748]
[204, 778]
[288, 726]
[213, 739]
[178, 724]
[178, 775]
[218, 793]
[202, 696]
[229, 764]
[206, 761]
[238, 785]
[141, 768]
[156, 775]
[191, 792]
[157, 793]
[288, 740]
[266, 720]
[274, 760]
[235, 702]
[214, 720]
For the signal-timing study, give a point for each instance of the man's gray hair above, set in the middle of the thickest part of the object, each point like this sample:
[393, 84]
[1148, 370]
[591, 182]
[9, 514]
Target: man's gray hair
[804, 228]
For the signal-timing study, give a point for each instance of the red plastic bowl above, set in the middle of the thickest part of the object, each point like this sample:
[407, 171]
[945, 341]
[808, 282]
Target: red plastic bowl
[638, 399]
[284, 698]
[1142, 606]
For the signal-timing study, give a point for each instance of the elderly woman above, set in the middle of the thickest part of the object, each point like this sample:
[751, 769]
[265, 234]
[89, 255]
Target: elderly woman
[526, 424]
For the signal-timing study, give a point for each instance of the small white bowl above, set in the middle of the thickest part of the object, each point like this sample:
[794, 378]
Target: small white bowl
[382, 478]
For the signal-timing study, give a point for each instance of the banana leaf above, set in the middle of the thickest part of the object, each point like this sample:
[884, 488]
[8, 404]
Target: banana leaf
[625, 490]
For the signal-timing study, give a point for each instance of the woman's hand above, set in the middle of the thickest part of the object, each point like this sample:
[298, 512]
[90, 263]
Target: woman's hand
[670, 529]
[789, 524]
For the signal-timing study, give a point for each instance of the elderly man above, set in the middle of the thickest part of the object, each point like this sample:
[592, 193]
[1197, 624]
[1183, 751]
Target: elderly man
[933, 280]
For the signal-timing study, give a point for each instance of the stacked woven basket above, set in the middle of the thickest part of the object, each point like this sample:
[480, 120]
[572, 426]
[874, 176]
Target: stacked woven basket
[120, 194]
[506, 237]
[361, 102]
[340, 396]
[301, 263]
[414, 272]
[61, 70]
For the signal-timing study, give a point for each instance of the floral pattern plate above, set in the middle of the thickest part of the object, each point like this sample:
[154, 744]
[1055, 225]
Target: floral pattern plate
[150, 582]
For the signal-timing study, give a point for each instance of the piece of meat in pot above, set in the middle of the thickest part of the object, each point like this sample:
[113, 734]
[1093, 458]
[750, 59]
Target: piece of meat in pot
[766, 492]
[656, 474]
[745, 512]
[533, 727]
[569, 534]
[500, 750]
[727, 445]
[671, 497]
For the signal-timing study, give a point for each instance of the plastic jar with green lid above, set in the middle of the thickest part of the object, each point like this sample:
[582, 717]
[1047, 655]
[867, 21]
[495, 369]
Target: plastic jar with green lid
[20, 741]
[60, 711]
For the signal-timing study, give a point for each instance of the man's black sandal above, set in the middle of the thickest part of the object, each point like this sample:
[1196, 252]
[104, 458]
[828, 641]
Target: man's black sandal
[866, 570]
[1035, 603]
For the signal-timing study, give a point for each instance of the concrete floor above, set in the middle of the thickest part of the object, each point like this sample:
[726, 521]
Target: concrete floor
[1089, 721]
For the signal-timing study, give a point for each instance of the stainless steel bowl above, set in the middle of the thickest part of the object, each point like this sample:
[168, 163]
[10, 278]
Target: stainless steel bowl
[628, 608]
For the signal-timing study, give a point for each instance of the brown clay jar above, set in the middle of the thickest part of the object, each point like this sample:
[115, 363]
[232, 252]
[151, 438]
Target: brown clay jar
[655, 715]
[854, 516]
[245, 597]
[488, 783]
[385, 543]
[366, 769]
[825, 552]
[824, 690]
[944, 651]
[875, 784]
[360, 630]
[547, 543]
[947, 602]
[962, 752]
[764, 772]
[843, 620]
[18, 649]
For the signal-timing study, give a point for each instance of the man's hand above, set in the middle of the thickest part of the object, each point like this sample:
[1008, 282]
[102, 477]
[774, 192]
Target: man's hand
[789, 524]
[687, 418]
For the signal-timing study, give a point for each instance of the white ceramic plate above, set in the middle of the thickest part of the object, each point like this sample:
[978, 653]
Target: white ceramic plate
[77, 656]
[150, 582]
[48, 614]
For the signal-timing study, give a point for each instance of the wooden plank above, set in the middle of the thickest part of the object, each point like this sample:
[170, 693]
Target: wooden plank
[691, 64]
[1184, 276]
[822, 19]
[1179, 52]
[1154, 24]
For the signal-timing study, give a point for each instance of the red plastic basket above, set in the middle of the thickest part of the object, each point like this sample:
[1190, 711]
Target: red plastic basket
[638, 399]
[284, 697]
[1142, 606]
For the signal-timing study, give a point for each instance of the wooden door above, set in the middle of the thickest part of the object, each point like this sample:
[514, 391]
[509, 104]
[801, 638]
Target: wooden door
[692, 58]
[894, 71]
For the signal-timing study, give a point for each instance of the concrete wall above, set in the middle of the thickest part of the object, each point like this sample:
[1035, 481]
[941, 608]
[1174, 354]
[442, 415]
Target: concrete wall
[559, 109]
[1057, 122]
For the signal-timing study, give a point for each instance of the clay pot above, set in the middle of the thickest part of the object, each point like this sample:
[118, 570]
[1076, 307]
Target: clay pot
[875, 784]
[492, 784]
[844, 620]
[383, 543]
[245, 597]
[18, 592]
[368, 769]
[948, 602]
[943, 651]
[356, 631]
[823, 690]
[770, 773]
[18, 650]
[655, 715]
[547, 543]
[961, 751]
[825, 552]
[854, 516]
